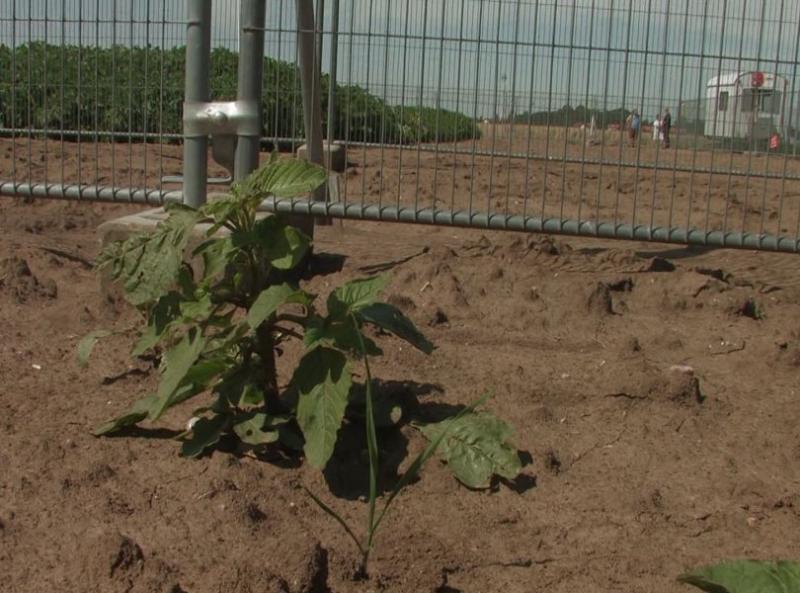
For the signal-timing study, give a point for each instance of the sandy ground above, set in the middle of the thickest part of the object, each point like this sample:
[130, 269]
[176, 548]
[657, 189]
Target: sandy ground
[659, 421]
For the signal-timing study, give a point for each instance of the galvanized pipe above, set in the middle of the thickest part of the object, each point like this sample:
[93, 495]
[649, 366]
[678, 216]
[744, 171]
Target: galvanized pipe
[197, 89]
[250, 79]
[311, 88]
[332, 72]
[535, 224]
[90, 193]
[309, 79]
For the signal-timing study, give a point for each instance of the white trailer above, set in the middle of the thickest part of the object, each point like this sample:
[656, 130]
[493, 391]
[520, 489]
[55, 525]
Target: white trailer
[747, 105]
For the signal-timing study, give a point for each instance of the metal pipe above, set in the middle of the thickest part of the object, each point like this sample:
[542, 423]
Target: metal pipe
[319, 41]
[250, 80]
[310, 85]
[90, 193]
[309, 80]
[197, 89]
[332, 73]
[427, 216]
[536, 224]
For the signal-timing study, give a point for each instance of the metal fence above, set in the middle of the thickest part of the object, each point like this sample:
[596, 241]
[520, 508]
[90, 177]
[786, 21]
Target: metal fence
[508, 114]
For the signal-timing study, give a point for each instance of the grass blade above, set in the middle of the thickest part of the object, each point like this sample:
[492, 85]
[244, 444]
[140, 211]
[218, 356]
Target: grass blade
[337, 517]
[372, 441]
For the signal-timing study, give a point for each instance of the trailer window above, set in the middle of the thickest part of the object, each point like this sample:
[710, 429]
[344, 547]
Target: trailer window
[722, 101]
[771, 103]
[761, 100]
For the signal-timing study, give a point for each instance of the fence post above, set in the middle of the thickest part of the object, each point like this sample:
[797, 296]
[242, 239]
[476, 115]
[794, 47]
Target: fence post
[252, 15]
[310, 84]
[197, 89]
[332, 74]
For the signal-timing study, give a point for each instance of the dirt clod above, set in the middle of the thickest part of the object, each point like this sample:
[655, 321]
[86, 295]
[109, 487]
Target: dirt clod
[750, 308]
[661, 264]
[17, 279]
[600, 301]
[439, 317]
[552, 461]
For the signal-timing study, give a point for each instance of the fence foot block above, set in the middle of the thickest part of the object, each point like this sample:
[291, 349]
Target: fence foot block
[334, 156]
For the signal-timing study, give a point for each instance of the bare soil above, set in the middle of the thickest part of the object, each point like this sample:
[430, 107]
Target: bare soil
[653, 391]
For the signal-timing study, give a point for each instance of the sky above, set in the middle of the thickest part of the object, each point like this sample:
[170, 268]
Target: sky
[480, 57]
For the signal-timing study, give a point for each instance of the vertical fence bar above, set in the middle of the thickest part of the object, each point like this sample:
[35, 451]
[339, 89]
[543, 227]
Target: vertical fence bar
[309, 81]
[250, 79]
[198, 60]
[310, 85]
[332, 74]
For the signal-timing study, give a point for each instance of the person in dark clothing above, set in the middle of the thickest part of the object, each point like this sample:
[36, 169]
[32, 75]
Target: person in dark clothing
[666, 126]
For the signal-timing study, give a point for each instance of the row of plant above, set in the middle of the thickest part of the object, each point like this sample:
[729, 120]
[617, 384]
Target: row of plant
[570, 116]
[135, 89]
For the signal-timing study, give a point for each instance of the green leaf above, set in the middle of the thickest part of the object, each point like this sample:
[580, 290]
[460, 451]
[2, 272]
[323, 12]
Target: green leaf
[251, 396]
[148, 264]
[339, 333]
[323, 381]
[160, 317]
[283, 246]
[217, 254]
[221, 211]
[204, 370]
[206, 433]
[195, 381]
[420, 460]
[475, 448]
[355, 295]
[137, 412]
[198, 310]
[273, 297]
[86, 345]
[391, 319]
[256, 429]
[176, 364]
[746, 576]
[284, 179]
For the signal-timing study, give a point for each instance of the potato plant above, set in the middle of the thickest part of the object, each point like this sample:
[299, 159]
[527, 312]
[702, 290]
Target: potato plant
[219, 330]
[120, 89]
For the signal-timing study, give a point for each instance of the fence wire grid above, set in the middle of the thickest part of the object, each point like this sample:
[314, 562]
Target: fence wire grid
[491, 113]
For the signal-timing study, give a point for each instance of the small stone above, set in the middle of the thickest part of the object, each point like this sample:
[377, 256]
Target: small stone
[682, 368]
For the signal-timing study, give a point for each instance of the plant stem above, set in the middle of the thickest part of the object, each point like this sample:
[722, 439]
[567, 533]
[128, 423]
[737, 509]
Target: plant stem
[372, 451]
[265, 348]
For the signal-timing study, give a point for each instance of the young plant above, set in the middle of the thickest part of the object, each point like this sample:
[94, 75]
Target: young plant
[365, 544]
[218, 330]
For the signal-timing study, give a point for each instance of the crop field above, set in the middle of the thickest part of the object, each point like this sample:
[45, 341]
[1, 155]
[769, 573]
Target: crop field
[652, 392]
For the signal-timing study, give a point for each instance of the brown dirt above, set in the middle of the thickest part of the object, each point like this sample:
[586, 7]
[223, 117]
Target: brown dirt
[660, 416]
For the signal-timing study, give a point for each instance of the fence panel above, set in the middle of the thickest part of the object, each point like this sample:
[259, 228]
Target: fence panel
[91, 96]
[515, 113]
[490, 113]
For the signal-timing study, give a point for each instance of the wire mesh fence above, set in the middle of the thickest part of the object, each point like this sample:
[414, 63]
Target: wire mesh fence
[518, 114]
[502, 113]
[91, 97]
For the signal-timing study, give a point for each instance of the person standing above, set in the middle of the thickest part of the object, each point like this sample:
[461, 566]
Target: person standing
[635, 125]
[657, 128]
[666, 126]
